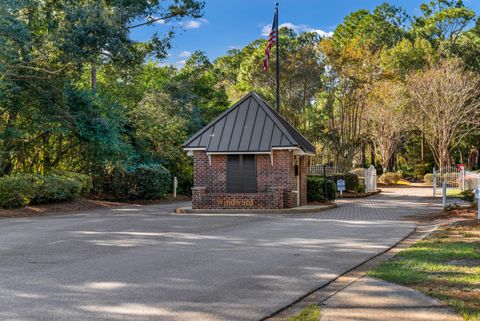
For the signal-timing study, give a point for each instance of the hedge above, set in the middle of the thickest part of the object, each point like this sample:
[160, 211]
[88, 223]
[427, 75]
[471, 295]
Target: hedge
[351, 180]
[390, 178]
[316, 189]
[24, 189]
[428, 178]
[360, 172]
[140, 181]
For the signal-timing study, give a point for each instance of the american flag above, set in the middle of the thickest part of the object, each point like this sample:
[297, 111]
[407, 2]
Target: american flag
[272, 39]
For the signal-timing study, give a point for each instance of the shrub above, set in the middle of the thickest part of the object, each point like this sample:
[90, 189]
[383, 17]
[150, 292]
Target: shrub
[24, 189]
[428, 178]
[468, 195]
[361, 188]
[470, 182]
[54, 188]
[351, 180]
[316, 189]
[141, 181]
[420, 170]
[452, 179]
[360, 172]
[85, 181]
[389, 178]
[149, 181]
[16, 191]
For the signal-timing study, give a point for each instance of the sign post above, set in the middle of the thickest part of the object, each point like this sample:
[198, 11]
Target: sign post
[341, 186]
[477, 196]
[444, 194]
[175, 186]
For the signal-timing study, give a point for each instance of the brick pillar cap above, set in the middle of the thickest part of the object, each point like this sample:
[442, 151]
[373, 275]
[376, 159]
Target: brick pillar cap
[199, 188]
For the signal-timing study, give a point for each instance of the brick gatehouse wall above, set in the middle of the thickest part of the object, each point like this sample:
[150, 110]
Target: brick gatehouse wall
[274, 183]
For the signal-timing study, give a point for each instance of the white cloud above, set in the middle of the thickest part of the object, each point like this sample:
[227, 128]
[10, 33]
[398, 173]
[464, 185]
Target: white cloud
[297, 28]
[185, 54]
[181, 63]
[193, 24]
[161, 22]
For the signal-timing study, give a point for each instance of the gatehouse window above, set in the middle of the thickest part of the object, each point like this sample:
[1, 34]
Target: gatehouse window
[241, 174]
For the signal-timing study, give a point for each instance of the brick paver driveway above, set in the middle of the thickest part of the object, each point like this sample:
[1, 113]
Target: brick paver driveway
[140, 263]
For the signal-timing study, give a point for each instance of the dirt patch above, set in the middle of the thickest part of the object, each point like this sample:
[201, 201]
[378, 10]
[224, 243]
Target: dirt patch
[464, 213]
[465, 262]
[80, 205]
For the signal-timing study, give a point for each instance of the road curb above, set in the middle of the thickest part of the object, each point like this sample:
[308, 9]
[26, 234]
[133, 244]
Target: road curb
[321, 294]
[295, 210]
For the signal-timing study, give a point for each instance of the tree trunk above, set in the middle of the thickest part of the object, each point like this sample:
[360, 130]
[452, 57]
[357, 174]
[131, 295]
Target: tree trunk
[363, 160]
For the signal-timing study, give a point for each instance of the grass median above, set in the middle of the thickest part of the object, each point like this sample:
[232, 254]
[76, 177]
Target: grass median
[445, 266]
[310, 313]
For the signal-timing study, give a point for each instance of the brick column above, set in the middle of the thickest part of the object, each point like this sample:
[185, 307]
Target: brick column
[278, 197]
[199, 197]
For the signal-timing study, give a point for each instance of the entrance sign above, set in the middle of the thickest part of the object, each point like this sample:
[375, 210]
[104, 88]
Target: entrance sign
[341, 186]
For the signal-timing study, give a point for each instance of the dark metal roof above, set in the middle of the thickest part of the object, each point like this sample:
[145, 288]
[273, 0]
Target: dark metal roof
[248, 126]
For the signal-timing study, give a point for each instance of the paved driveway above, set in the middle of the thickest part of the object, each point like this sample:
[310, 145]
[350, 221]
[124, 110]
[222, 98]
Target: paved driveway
[139, 263]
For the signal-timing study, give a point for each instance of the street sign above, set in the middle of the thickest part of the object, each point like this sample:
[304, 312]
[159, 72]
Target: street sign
[341, 185]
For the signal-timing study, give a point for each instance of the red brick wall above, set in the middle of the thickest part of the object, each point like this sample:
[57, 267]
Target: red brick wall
[271, 180]
[303, 179]
[213, 177]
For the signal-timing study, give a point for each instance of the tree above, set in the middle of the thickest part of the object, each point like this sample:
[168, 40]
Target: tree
[50, 115]
[387, 119]
[354, 69]
[448, 97]
[443, 21]
[300, 77]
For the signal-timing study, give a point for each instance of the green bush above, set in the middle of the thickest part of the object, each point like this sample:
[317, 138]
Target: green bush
[141, 181]
[361, 188]
[316, 189]
[390, 178]
[149, 181]
[85, 181]
[24, 189]
[16, 191]
[351, 180]
[468, 195]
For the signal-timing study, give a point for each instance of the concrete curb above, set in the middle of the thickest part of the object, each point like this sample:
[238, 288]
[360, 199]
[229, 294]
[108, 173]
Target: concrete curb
[295, 210]
[378, 191]
[336, 285]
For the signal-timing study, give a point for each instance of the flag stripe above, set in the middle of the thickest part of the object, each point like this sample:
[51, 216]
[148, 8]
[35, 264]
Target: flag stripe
[272, 39]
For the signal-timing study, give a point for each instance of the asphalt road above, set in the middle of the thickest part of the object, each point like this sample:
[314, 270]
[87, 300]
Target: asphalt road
[139, 263]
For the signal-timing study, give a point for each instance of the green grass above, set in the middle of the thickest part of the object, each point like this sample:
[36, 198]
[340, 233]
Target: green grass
[310, 313]
[454, 192]
[425, 267]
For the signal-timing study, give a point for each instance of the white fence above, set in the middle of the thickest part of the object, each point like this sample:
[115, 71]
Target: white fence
[319, 169]
[454, 178]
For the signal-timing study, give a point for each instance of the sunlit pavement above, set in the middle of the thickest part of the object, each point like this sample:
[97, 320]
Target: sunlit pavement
[139, 263]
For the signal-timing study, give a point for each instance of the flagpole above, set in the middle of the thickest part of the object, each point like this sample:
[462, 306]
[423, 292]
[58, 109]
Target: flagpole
[277, 60]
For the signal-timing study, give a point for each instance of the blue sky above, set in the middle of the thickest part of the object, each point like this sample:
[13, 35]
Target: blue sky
[235, 23]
